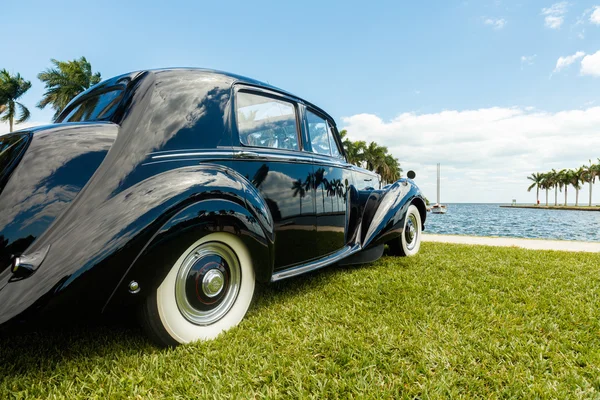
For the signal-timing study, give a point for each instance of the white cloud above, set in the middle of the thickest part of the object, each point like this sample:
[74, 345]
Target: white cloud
[595, 17]
[486, 153]
[554, 22]
[528, 60]
[564, 62]
[590, 64]
[496, 23]
[554, 15]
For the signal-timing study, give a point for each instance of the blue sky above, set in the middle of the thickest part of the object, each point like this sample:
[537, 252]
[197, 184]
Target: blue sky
[439, 79]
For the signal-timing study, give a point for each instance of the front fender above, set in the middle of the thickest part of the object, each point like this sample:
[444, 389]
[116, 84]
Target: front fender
[385, 211]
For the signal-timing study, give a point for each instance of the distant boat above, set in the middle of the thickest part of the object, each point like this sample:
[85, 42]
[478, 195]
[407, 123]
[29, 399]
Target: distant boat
[438, 208]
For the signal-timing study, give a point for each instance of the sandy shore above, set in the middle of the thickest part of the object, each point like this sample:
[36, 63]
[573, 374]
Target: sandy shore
[534, 244]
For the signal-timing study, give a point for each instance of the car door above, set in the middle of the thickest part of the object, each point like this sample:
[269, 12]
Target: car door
[333, 178]
[268, 152]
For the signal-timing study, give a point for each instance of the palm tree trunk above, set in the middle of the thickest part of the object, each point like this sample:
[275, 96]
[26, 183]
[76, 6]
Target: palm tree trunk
[10, 122]
[537, 196]
[565, 195]
[576, 197]
[546, 197]
[555, 195]
[590, 192]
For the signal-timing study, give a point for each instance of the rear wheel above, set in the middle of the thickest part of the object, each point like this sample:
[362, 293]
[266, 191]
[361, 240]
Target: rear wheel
[206, 292]
[409, 243]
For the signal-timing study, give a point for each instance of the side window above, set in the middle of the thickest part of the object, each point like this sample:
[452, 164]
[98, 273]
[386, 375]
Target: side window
[318, 133]
[266, 122]
[335, 150]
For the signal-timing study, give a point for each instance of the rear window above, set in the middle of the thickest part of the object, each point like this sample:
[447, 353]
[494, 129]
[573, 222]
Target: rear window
[9, 145]
[99, 107]
[11, 148]
[266, 122]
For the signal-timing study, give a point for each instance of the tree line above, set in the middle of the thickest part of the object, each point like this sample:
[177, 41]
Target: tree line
[66, 79]
[63, 81]
[372, 157]
[563, 179]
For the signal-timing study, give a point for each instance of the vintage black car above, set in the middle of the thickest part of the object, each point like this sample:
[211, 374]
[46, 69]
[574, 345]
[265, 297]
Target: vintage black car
[173, 191]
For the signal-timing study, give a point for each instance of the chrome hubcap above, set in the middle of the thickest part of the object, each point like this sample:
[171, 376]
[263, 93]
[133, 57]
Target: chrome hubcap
[411, 231]
[208, 283]
[213, 283]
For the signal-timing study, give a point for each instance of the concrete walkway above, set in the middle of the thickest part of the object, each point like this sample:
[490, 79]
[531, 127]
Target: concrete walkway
[534, 244]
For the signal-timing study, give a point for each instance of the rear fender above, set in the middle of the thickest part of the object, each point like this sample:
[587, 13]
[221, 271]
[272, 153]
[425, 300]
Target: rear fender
[184, 229]
[105, 232]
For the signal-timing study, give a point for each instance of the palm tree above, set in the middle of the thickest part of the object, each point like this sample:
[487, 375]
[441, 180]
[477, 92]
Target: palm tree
[589, 175]
[576, 181]
[65, 81]
[339, 191]
[546, 184]
[299, 190]
[553, 181]
[375, 156]
[391, 171]
[12, 87]
[596, 169]
[354, 150]
[537, 179]
[320, 180]
[331, 190]
[566, 179]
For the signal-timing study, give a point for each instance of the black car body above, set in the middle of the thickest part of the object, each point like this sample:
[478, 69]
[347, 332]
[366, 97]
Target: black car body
[96, 209]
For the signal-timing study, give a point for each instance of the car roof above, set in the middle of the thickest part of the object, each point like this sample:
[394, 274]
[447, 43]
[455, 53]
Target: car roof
[233, 77]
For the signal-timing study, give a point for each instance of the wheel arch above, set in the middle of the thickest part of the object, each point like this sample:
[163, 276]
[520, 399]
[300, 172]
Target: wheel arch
[183, 229]
[420, 204]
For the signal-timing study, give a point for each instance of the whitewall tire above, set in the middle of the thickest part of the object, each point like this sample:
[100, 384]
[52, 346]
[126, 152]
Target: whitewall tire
[207, 291]
[409, 243]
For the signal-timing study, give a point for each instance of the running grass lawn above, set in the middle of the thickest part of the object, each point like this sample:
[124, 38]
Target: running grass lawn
[454, 321]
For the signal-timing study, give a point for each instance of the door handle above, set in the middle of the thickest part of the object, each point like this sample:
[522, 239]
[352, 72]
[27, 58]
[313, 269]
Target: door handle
[246, 154]
[368, 180]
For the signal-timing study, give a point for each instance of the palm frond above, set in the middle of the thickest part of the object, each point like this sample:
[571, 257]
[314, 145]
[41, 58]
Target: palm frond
[65, 81]
[24, 115]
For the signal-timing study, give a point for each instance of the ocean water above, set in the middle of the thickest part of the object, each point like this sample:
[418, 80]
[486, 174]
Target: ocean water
[492, 220]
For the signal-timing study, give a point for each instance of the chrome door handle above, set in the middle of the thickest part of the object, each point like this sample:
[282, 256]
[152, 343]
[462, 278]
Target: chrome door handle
[246, 154]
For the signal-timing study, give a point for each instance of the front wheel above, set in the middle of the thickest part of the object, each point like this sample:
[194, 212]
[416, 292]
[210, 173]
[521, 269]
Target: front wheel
[207, 291]
[409, 243]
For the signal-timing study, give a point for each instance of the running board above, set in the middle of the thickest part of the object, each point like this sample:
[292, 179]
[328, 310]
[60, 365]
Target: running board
[303, 268]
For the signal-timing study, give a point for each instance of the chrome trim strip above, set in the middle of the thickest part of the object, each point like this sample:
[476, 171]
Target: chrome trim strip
[202, 160]
[303, 268]
[222, 148]
[273, 153]
[240, 155]
[202, 153]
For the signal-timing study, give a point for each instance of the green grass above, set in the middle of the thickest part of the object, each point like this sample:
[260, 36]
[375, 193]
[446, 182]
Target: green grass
[455, 321]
